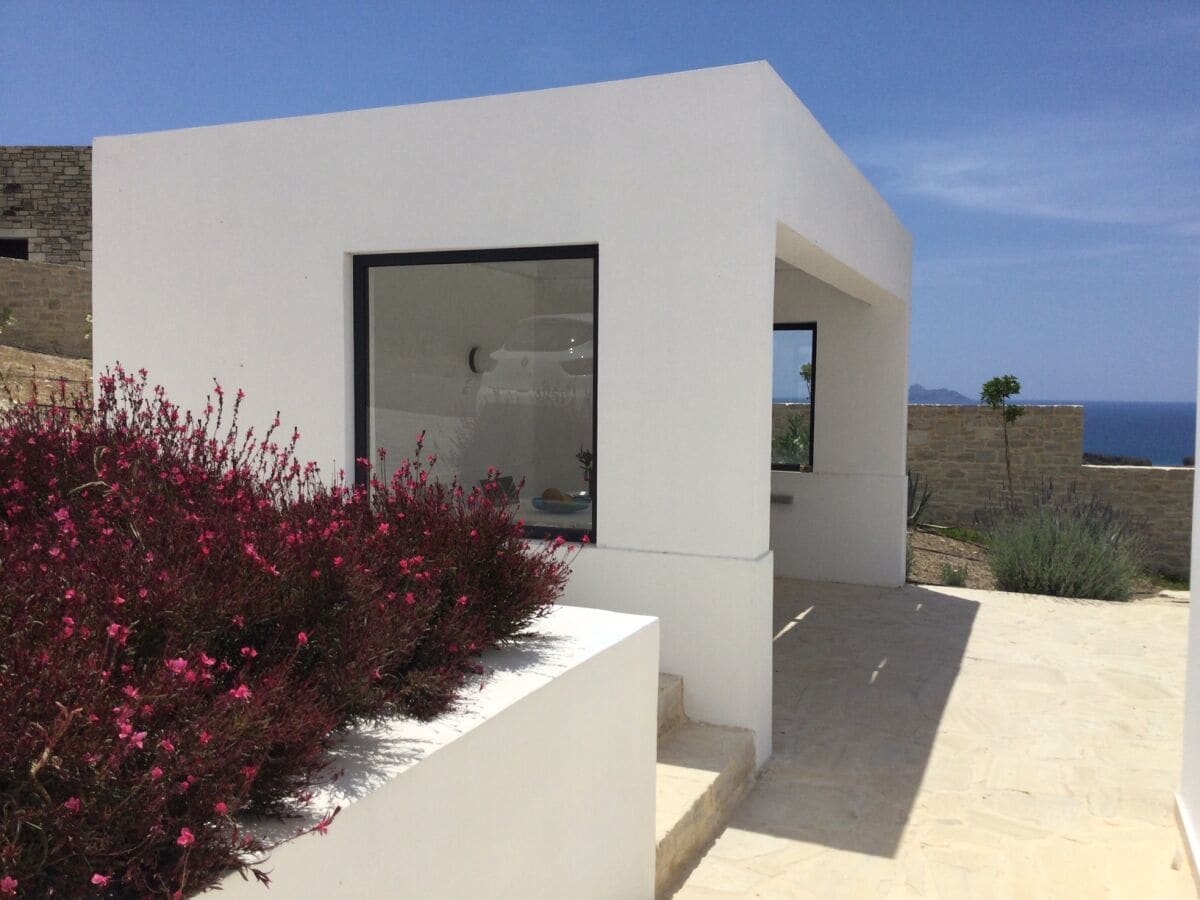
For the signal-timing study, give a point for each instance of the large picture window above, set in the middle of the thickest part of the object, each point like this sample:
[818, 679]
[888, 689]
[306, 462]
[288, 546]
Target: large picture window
[793, 394]
[492, 354]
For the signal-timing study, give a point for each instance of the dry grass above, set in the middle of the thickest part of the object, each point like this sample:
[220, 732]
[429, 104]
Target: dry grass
[20, 370]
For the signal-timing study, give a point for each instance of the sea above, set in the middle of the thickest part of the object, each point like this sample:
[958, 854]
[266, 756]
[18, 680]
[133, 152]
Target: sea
[1161, 432]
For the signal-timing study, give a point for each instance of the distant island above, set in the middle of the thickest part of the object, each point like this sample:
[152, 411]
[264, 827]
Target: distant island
[919, 394]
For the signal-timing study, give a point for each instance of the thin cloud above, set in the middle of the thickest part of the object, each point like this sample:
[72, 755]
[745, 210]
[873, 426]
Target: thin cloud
[1151, 30]
[1119, 168]
[1063, 261]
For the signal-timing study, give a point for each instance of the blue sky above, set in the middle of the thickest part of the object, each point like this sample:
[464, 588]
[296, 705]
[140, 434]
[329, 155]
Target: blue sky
[1045, 156]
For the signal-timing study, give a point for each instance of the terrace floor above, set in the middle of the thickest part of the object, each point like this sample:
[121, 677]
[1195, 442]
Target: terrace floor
[950, 743]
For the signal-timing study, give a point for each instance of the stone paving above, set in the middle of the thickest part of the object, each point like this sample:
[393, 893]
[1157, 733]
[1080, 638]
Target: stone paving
[961, 745]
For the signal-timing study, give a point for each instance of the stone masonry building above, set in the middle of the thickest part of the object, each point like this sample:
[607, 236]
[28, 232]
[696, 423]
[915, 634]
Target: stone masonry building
[46, 204]
[46, 249]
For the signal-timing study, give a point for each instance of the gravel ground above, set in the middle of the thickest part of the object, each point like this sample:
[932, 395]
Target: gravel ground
[932, 552]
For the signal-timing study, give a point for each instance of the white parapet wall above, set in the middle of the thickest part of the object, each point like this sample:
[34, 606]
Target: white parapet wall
[541, 784]
[1187, 802]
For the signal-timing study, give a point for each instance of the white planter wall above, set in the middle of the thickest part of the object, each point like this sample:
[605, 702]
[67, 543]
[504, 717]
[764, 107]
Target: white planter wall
[541, 785]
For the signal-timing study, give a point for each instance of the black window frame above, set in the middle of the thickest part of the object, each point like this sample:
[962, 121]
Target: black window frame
[362, 265]
[812, 398]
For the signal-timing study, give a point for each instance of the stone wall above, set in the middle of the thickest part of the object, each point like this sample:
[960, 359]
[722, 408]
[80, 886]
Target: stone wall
[1160, 495]
[49, 304]
[959, 452]
[46, 197]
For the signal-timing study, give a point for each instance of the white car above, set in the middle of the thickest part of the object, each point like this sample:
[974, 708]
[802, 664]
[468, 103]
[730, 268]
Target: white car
[546, 361]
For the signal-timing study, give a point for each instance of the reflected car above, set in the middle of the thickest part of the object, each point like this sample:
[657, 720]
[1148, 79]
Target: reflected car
[545, 361]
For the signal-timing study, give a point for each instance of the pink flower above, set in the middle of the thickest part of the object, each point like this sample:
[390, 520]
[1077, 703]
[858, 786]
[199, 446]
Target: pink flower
[220, 808]
[166, 744]
[156, 773]
[301, 639]
[241, 692]
[177, 665]
[410, 598]
[205, 737]
[186, 838]
[113, 630]
[99, 880]
[206, 660]
[136, 740]
[8, 885]
[337, 561]
[322, 827]
[74, 804]
[249, 652]
[462, 601]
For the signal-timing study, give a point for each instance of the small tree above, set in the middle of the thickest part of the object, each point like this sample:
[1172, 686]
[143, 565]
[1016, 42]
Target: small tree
[995, 394]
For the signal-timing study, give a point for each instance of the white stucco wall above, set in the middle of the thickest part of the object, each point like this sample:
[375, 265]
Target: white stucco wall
[847, 516]
[540, 785]
[1188, 798]
[226, 252]
[846, 521]
[715, 625]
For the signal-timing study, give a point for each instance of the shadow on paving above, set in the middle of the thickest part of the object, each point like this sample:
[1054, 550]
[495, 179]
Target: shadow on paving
[862, 678]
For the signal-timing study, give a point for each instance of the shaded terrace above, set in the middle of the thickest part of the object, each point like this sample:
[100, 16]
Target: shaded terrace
[932, 742]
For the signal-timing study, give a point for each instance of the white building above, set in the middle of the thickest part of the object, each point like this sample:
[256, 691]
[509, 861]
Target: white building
[591, 269]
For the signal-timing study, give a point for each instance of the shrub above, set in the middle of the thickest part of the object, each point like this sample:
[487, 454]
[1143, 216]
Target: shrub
[918, 499]
[1064, 546]
[790, 446]
[187, 613]
[954, 577]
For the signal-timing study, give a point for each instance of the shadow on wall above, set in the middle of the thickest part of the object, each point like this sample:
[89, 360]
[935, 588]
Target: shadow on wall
[862, 678]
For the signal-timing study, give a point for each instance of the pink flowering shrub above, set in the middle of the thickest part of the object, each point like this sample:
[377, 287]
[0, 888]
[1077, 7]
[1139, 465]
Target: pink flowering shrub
[187, 613]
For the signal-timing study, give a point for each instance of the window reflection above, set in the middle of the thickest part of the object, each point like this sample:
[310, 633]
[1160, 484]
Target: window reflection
[793, 389]
[494, 359]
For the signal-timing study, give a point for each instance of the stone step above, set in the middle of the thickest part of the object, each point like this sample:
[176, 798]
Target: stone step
[670, 702]
[703, 773]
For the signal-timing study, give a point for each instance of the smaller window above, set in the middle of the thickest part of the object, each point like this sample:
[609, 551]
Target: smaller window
[14, 248]
[793, 395]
